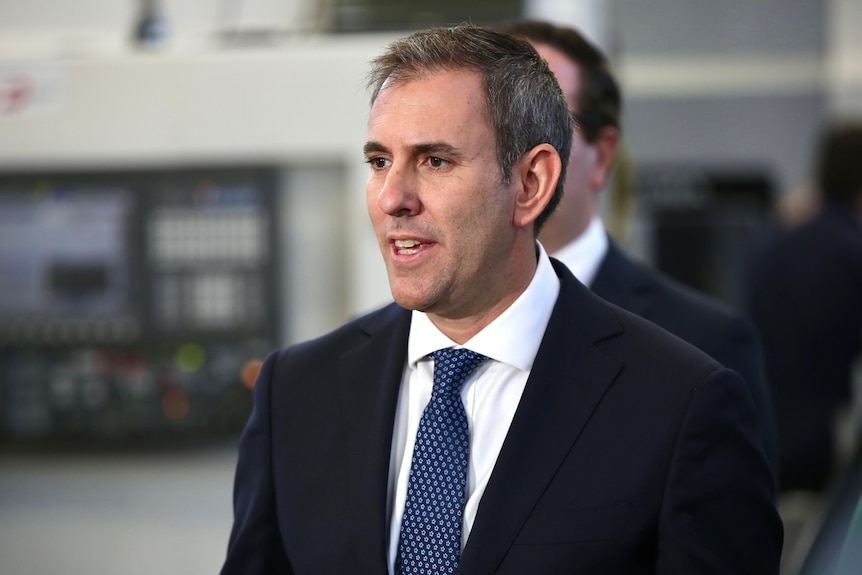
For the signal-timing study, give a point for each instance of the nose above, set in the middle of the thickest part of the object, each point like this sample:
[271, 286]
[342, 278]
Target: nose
[397, 195]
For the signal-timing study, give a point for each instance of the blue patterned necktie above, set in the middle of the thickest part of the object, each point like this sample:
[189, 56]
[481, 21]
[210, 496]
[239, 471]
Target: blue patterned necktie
[434, 509]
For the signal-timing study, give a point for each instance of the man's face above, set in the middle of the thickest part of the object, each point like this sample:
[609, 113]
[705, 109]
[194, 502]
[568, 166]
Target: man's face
[442, 218]
[585, 176]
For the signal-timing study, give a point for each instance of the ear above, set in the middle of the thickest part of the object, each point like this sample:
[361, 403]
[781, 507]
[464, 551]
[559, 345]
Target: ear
[535, 177]
[606, 148]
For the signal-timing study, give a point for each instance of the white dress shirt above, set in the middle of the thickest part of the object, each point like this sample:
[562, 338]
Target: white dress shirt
[585, 253]
[490, 395]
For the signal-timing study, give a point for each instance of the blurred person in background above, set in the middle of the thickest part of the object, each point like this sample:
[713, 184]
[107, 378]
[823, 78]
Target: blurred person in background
[575, 233]
[580, 439]
[804, 292]
[797, 207]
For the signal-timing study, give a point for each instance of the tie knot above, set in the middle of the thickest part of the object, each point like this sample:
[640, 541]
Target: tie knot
[452, 366]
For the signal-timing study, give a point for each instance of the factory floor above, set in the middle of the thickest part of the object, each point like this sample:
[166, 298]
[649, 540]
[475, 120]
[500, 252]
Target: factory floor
[116, 513]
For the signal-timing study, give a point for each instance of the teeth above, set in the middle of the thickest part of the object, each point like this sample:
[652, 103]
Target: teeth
[406, 243]
[407, 247]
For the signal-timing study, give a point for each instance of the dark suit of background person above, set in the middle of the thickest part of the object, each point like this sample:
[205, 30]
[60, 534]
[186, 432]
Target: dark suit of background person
[804, 293]
[595, 100]
[629, 452]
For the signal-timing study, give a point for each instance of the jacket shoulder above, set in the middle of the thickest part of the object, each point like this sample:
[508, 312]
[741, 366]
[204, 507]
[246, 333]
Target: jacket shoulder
[349, 335]
[694, 316]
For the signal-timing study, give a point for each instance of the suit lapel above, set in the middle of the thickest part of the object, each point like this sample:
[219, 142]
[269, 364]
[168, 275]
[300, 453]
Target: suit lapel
[369, 378]
[568, 379]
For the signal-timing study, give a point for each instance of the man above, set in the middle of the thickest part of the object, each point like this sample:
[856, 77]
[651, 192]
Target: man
[575, 234]
[804, 293]
[587, 440]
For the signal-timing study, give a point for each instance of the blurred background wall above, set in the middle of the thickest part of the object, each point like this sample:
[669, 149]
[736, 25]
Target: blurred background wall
[734, 87]
[190, 173]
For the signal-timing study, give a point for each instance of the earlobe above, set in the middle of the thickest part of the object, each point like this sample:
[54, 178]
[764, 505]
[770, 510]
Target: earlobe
[537, 173]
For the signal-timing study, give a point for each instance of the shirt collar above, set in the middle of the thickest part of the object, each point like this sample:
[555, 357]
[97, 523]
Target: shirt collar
[585, 253]
[513, 337]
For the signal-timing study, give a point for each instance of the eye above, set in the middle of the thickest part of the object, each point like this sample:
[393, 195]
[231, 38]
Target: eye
[377, 163]
[436, 161]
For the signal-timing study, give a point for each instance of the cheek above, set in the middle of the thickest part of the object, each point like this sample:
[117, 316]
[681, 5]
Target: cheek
[457, 221]
[374, 211]
[580, 152]
[580, 161]
[369, 196]
[486, 221]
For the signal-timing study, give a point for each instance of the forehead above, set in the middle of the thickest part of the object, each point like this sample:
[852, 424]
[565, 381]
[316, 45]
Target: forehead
[438, 105]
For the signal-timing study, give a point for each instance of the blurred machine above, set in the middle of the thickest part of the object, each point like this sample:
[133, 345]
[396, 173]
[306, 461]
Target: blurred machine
[134, 306]
[388, 15]
[704, 222]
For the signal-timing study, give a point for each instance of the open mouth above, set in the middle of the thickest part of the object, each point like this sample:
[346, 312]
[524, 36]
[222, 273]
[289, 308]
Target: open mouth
[407, 247]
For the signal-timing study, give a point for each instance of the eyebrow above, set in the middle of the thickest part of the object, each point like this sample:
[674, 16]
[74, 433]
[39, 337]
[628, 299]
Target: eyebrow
[374, 148]
[441, 148]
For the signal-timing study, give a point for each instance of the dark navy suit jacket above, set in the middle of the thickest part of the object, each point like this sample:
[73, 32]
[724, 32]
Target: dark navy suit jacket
[631, 452]
[710, 326]
[804, 293]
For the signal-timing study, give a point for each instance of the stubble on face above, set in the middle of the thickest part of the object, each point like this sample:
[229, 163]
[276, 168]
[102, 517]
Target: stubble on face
[443, 220]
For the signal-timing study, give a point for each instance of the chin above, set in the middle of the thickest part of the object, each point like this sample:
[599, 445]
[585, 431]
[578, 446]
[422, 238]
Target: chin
[411, 303]
[411, 300]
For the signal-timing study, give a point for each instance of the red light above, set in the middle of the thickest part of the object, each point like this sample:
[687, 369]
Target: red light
[249, 372]
[176, 404]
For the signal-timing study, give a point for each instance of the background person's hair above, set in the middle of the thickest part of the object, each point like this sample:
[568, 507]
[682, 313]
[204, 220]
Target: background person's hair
[524, 103]
[599, 99]
[839, 162]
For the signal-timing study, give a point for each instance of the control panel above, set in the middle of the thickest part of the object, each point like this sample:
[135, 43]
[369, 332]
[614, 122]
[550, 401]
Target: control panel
[135, 306]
